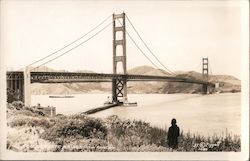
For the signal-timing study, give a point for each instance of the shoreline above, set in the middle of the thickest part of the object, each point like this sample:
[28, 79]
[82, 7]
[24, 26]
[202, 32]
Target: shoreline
[37, 132]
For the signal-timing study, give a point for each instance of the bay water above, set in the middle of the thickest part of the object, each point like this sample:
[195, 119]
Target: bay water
[218, 114]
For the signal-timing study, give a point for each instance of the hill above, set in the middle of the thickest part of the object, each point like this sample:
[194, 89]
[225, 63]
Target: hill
[64, 88]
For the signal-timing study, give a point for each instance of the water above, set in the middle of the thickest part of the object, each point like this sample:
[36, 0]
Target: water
[206, 115]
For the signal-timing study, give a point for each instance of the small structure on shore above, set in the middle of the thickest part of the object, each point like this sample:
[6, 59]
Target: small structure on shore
[50, 110]
[127, 104]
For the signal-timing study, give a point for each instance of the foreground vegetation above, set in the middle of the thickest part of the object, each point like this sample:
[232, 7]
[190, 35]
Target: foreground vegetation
[31, 130]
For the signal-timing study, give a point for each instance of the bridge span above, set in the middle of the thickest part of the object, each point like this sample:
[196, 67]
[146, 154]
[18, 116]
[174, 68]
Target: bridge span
[15, 79]
[70, 77]
[19, 82]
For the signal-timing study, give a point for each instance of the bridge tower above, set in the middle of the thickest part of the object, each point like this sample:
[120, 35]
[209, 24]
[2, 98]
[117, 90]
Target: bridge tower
[119, 86]
[205, 74]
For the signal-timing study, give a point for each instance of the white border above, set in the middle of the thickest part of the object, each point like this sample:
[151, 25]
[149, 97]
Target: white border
[243, 155]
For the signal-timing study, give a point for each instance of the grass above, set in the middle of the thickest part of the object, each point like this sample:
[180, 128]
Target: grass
[77, 133]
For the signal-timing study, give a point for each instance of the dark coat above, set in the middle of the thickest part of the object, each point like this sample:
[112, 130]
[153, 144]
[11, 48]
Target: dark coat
[173, 134]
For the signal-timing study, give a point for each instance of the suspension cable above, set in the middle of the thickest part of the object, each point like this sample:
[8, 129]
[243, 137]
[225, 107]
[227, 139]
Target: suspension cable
[148, 47]
[72, 41]
[211, 73]
[73, 47]
[210, 69]
[139, 47]
[143, 52]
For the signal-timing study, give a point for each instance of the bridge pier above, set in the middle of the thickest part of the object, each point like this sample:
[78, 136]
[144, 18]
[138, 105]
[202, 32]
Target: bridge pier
[119, 90]
[205, 88]
[15, 86]
[125, 97]
[18, 86]
[205, 75]
[27, 86]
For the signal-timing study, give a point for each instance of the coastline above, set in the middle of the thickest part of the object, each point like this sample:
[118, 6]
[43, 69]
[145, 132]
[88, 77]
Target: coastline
[29, 131]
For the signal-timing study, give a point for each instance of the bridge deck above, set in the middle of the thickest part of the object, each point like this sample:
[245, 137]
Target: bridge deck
[66, 77]
[71, 77]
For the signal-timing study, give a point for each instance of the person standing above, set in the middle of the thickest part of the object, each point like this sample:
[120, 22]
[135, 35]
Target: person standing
[173, 134]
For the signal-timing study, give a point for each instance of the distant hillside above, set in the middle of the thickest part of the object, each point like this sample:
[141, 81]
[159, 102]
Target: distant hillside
[147, 70]
[227, 84]
[64, 88]
[45, 69]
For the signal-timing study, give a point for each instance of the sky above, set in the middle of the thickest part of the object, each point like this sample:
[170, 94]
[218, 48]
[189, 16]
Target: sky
[180, 34]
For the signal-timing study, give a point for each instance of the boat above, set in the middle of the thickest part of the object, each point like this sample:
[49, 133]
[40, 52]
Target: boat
[65, 96]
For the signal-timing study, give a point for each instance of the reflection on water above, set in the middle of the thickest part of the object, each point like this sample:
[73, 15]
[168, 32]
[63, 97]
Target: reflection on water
[207, 114]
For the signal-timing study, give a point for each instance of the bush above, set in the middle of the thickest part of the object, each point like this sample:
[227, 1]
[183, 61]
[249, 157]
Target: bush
[74, 127]
[125, 135]
[17, 105]
[31, 121]
[34, 112]
[18, 108]
[189, 142]
[84, 145]
[12, 96]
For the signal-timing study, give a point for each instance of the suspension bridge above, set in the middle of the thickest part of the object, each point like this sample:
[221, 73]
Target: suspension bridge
[19, 82]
